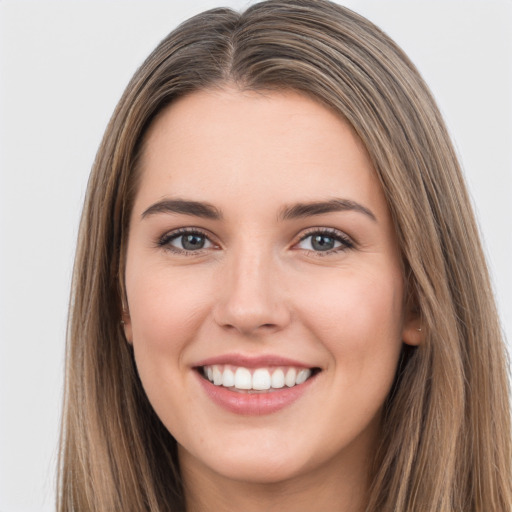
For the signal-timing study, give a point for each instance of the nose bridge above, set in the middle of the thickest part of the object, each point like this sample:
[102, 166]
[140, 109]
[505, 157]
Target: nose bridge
[251, 298]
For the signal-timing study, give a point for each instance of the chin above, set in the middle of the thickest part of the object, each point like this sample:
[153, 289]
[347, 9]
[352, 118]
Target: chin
[260, 470]
[250, 461]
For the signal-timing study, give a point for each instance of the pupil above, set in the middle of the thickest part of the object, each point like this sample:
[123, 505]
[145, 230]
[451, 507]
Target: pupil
[191, 242]
[322, 242]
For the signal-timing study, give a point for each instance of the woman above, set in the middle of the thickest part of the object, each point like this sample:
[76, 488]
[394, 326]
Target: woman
[280, 299]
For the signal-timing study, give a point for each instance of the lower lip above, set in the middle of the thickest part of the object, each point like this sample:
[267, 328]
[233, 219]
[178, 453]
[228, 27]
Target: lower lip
[254, 404]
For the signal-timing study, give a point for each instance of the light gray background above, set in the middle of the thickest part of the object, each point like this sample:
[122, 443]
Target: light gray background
[63, 66]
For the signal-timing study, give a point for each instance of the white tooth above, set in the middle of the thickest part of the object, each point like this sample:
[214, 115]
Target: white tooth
[209, 373]
[278, 379]
[217, 376]
[289, 380]
[243, 379]
[302, 376]
[261, 379]
[228, 378]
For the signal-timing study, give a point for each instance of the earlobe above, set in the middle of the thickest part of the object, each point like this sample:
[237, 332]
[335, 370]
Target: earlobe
[126, 322]
[413, 332]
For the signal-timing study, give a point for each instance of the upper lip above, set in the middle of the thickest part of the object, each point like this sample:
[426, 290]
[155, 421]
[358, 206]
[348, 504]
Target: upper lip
[252, 361]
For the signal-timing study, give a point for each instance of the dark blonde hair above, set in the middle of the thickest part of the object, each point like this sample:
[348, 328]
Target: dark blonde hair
[445, 443]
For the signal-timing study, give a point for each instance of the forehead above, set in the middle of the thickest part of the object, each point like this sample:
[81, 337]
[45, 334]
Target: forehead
[283, 146]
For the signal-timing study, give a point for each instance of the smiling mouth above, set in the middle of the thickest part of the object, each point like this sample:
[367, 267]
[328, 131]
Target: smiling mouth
[256, 380]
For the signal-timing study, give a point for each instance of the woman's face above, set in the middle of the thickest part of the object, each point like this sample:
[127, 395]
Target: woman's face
[261, 253]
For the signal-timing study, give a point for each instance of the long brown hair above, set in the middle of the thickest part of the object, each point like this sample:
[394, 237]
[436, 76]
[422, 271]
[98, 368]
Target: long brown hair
[445, 442]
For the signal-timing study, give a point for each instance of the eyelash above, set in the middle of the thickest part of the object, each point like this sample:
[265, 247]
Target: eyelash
[345, 242]
[165, 241]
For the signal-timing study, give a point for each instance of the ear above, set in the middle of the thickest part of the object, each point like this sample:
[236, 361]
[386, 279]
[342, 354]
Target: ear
[127, 325]
[413, 332]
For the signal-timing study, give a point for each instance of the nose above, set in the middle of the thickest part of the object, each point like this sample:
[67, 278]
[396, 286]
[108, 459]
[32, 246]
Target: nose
[251, 298]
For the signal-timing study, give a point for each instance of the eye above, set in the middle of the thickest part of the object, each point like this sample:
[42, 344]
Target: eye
[186, 241]
[325, 241]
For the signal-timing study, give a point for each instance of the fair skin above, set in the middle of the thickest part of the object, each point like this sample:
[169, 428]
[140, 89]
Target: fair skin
[242, 283]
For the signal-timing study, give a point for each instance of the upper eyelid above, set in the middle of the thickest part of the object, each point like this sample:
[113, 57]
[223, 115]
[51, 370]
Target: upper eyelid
[331, 231]
[320, 229]
[187, 230]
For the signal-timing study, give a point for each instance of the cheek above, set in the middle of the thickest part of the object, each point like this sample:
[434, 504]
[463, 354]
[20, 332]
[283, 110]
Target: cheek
[166, 310]
[358, 317]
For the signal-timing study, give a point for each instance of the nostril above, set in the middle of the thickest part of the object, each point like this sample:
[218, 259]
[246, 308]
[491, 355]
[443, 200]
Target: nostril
[250, 328]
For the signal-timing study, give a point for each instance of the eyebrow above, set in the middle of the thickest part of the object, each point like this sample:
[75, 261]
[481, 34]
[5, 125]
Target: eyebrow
[182, 206]
[295, 211]
[300, 210]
